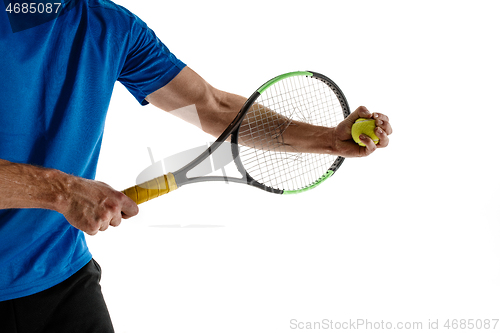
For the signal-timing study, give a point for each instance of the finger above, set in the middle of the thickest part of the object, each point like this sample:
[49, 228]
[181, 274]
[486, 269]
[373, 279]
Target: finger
[92, 232]
[370, 146]
[104, 226]
[383, 122]
[126, 217]
[129, 207]
[115, 221]
[380, 116]
[360, 112]
[344, 128]
[383, 137]
[92, 227]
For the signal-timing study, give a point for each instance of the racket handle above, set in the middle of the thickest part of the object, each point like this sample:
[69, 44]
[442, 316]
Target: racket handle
[151, 189]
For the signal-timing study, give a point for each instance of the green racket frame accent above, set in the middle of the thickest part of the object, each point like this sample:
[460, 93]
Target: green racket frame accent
[327, 175]
[282, 77]
[171, 181]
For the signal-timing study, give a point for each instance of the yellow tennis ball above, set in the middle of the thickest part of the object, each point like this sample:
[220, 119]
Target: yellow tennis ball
[364, 126]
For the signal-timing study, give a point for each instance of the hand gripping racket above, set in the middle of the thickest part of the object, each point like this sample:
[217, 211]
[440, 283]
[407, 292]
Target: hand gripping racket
[258, 148]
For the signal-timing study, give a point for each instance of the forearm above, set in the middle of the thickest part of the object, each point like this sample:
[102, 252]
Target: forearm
[28, 186]
[87, 204]
[296, 136]
[191, 98]
[306, 138]
[216, 115]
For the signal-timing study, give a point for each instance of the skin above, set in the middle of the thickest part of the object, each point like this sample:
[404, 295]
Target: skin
[93, 206]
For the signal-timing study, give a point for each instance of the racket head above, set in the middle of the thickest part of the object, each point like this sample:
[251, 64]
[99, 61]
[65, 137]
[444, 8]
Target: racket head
[268, 163]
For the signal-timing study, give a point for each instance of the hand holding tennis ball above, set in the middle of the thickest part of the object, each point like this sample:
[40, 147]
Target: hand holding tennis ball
[366, 127]
[349, 130]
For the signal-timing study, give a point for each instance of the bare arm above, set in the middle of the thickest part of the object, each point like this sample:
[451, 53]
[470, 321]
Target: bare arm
[88, 205]
[189, 97]
[27, 186]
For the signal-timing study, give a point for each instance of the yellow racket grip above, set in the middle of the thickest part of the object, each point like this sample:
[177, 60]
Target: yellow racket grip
[151, 189]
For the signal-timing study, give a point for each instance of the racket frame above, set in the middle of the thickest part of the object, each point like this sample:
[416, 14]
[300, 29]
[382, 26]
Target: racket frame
[232, 130]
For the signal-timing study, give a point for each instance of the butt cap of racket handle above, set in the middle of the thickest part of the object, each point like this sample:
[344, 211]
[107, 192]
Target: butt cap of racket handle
[151, 189]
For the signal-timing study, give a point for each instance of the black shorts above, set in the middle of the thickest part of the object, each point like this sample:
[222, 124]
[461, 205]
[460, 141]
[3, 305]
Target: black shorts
[75, 305]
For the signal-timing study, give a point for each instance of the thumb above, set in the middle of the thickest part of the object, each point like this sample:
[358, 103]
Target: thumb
[129, 207]
[360, 112]
[344, 128]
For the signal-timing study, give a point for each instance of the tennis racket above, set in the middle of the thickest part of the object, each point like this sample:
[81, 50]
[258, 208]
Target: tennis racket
[257, 146]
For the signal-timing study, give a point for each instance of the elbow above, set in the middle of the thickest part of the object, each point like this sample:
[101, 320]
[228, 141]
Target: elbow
[215, 111]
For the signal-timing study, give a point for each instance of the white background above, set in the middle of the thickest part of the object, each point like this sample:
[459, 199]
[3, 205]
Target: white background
[410, 233]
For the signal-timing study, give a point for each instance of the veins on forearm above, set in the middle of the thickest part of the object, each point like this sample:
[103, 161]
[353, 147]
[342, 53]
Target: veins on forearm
[27, 186]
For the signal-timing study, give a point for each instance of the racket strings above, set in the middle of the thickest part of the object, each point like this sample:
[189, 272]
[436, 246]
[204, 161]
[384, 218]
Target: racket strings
[264, 153]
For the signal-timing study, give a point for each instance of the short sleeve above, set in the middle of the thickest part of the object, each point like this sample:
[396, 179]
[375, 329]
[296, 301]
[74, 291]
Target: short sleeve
[149, 64]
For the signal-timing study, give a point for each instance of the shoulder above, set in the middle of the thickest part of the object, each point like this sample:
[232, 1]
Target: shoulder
[111, 12]
[106, 18]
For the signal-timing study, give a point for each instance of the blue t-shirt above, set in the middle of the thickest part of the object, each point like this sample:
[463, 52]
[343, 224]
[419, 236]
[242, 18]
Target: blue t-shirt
[57, 73]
